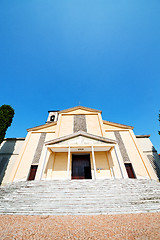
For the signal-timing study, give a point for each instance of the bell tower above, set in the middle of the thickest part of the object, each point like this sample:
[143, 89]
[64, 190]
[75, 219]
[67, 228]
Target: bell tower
[52, 116]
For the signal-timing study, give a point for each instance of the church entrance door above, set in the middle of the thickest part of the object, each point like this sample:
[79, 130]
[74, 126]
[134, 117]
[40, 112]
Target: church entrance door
[81, 167]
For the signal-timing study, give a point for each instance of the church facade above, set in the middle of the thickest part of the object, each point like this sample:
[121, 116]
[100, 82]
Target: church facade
[77, 143]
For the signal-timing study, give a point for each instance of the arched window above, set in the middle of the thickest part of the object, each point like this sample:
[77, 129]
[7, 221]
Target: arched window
[52, 118]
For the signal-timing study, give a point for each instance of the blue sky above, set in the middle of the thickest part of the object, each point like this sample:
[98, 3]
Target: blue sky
[103, 54]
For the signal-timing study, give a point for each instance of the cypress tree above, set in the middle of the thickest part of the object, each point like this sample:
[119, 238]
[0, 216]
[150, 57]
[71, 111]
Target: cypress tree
[6, 116]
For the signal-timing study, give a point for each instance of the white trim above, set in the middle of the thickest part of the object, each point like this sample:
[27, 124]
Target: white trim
[112, 172]
[94, 162]
[43, 164]
[119, 163]
[68, 165]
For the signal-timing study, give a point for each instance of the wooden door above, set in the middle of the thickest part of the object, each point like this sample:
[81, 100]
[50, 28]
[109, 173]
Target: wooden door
[130, 170]
[32, 172]
[81, 168]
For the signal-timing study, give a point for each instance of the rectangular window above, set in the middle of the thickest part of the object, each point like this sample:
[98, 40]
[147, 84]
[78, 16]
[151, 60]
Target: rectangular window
[33, 171]
[130, 170]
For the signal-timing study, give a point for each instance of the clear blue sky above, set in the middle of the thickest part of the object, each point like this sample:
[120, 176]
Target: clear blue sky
[104, 54]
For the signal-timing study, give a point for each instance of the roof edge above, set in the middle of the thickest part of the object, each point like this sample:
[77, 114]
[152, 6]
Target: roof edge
[16, 138]
[53, 110]
[41, 126]
[117, 124]
[143, 136]
[80, 107]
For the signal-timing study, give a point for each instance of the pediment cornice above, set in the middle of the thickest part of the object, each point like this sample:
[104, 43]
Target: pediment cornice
[83, 134]
[79, 108]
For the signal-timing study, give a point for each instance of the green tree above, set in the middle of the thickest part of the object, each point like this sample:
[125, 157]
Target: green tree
[6, 116]
[159, 121]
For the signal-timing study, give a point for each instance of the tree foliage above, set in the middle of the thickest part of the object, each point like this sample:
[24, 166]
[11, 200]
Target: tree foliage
[6, 116]
[159, 121]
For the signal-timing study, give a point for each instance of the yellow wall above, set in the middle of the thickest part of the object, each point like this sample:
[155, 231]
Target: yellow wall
[66, 125]
[134, 156]
[49, 166]
[110, 127]
[113, 158]
[47, 129]
[79, 111]
[93, 125]
[10, 167]
[110, 135]
[60, 166]
[145, 162]
[114, 163]
[26, 157]
[49, 136]
[10, 149]
[102, 162]
[56, 167]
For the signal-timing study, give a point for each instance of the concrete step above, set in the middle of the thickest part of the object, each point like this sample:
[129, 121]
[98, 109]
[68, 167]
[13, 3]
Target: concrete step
[80, 197]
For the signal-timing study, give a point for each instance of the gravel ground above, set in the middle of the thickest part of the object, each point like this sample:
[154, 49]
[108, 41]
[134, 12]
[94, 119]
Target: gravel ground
[143, 226]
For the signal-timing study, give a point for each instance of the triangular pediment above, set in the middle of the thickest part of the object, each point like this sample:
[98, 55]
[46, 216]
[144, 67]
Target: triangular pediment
[80, 110]
[80, 138]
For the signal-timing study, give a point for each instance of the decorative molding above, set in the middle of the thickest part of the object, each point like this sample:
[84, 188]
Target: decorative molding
[80, 107]
[80, 133]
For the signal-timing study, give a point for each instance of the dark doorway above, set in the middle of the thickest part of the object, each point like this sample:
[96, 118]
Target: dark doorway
[33, 171]
[130, 170]
[81, 167]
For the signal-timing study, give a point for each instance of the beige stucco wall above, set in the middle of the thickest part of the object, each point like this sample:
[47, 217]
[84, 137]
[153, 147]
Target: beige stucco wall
[47, 129]
[49, 136]
[102, 166]
[26, 157]
[93, 125]
[134, 156]
[150, 153]
[49, 166]
[11, 164]
[146, 162]
[9, 151]
[79, 111]
[110, 135]
[56, 167]
[60, 166]
[66, 125]
[45, 154]
[113, 158]
[111, 127]
[11, 146]
[118, 165]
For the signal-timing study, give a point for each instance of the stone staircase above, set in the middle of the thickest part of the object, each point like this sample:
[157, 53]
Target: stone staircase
[80, 197]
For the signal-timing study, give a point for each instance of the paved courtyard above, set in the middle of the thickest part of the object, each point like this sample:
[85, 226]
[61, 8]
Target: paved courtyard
[125, 226]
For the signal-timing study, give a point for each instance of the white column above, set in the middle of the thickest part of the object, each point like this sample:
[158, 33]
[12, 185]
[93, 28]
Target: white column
[94, 162]
[68, 165]
[112, 172]
[43, 163]
[119, 163]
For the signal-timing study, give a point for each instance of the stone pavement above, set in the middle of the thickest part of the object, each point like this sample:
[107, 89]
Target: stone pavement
[140, 226]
